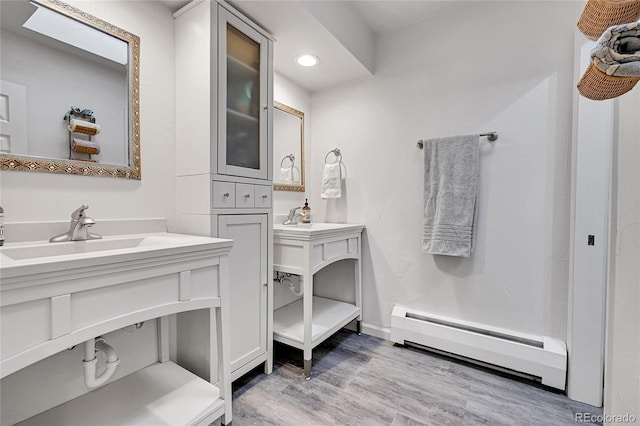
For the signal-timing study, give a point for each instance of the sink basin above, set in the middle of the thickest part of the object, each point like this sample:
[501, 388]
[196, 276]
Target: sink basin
[73, 247]
[44, 256]
[32, 251]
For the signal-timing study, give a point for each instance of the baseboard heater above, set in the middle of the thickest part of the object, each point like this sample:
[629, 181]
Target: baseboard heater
[538, 356]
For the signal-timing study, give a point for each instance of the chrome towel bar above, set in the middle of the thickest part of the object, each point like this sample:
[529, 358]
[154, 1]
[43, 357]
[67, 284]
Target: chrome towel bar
[491, 136]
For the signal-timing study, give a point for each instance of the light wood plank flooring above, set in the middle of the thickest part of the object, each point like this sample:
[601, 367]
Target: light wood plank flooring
[363, 380]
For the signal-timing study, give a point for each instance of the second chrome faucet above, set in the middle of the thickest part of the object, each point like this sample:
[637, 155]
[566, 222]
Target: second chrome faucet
[291, 219]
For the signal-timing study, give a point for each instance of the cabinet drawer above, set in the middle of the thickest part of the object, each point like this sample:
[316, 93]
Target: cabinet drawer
[263, 196]
[224, 195]
[244, 195]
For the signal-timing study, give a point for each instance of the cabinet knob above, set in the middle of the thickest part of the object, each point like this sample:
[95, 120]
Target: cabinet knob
[226, 194]
[266, 107]
[247, 195]
[265, 284]
[265, 196]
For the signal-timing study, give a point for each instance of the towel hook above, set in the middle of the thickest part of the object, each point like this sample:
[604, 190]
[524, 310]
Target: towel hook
[491, 136]
[335, 152]
[291, 158]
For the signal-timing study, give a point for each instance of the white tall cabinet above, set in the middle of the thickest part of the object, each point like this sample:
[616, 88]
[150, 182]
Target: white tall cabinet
[224, 98]
[250, 286]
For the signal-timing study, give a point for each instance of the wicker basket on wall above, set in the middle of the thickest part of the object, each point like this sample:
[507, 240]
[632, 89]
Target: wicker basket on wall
[598, 15]
[599, 86]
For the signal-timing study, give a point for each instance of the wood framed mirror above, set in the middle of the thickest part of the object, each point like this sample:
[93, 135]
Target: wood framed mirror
[288, 148]
[69, 100]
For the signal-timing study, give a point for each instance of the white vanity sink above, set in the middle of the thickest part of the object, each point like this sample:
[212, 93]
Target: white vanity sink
[303, 250]
[57, 295]
[43, 256]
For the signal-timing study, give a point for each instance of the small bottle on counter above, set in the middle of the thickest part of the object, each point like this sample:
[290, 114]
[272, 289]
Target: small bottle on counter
[306, 212]
[1, 226]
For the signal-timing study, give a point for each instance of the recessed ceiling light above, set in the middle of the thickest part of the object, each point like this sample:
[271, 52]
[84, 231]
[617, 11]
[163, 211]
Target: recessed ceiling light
[307, 60]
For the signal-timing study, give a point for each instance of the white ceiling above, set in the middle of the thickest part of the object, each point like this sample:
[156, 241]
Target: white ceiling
[175, 4]
[297, 31]
[390, 15]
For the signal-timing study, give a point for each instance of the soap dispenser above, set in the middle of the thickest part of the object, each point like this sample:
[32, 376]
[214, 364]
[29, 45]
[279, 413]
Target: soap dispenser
[306, 212]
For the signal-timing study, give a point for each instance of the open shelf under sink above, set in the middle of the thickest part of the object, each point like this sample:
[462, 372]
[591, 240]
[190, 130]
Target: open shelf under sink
[160, 394]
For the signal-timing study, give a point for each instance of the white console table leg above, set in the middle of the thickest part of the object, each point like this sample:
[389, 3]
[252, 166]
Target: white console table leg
[308, 312]
[222, 317]
[357, 278]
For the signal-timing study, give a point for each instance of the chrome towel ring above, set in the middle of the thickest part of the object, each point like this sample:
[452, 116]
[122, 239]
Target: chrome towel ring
[335, 152]
[290, 157]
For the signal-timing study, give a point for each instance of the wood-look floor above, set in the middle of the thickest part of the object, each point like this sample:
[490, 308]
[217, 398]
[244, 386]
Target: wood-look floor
[363, 380]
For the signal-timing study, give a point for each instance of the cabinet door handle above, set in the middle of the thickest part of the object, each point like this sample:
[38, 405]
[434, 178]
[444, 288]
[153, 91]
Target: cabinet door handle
[266, 284]
[247, 195]
[265, 196]
[226, 194]
[266, 107]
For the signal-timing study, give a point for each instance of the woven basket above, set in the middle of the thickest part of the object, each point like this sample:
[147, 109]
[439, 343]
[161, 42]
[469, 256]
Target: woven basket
[599, 86]
[598, 15]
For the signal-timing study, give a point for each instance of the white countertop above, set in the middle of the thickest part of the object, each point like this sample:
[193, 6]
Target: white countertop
[314, 230]
[37, 257]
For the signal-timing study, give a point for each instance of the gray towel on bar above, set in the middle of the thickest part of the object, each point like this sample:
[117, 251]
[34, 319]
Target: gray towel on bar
[450, 195]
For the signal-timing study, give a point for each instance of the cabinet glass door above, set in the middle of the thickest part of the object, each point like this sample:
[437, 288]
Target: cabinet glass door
[242, 146]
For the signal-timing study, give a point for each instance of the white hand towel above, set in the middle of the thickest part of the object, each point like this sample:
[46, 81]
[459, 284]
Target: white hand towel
[331, 181]
[286, 175]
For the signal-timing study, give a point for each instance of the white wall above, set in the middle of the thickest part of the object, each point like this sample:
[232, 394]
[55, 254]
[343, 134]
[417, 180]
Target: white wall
[503, 66]
[622, 362]
[46, 197]
[29, 196]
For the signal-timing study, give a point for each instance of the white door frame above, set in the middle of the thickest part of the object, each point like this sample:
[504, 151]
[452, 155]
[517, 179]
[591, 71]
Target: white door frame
[591, 203]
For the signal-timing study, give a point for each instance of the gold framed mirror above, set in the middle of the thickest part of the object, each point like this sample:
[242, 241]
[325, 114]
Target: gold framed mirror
[70, 88]
[288, 148]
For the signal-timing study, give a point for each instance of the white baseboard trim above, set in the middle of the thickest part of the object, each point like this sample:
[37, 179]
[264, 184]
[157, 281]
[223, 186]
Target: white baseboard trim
[376, 331]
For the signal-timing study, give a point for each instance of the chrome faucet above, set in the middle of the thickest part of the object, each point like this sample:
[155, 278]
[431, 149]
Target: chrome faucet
[291, 219]
[78, 228]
